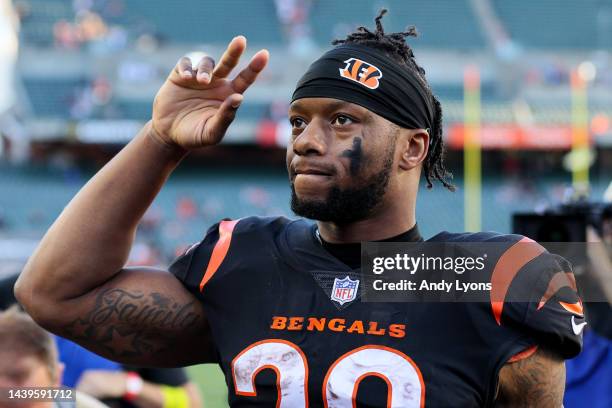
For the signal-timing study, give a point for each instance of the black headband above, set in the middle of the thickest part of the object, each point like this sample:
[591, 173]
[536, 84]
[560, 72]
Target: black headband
[367, 77]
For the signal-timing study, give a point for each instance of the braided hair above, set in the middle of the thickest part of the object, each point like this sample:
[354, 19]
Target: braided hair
[394, 46]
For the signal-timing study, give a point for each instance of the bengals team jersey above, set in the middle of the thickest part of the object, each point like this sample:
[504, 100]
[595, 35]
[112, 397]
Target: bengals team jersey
[281, 340]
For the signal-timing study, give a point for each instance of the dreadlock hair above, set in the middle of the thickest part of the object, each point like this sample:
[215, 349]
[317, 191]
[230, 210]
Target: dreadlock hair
[394, 46]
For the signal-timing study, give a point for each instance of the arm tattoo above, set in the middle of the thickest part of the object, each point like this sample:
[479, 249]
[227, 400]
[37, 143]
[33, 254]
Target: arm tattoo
[133, 324]
[538, 380]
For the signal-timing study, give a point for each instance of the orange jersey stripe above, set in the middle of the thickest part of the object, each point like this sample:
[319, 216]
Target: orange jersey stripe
[558, 281]
[226, 228]
[575, 308]
[507, 267]
[521, 355]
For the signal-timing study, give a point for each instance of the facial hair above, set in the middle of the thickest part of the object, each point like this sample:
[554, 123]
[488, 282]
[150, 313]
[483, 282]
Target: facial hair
[344, 206]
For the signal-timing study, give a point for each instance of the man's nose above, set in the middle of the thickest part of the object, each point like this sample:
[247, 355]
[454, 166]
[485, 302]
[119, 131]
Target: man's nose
[311, 141]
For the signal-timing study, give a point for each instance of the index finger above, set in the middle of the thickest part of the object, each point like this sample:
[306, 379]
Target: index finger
[230, 57]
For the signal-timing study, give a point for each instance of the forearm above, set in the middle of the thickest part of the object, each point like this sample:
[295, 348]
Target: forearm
[601, 265]
[91, 239]
[102, 384]
[159, 396]
[151, 396]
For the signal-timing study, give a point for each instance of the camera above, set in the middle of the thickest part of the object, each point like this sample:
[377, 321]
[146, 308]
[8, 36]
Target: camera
[563, 223]
[559, 227]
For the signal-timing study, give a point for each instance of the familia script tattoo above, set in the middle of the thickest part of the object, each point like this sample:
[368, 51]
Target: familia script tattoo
[133, 323]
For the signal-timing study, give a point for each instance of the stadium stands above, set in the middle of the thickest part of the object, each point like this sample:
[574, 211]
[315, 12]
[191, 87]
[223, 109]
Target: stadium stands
[141, 110]
[447, 27]
[39, 18]
[567, 24]
[184, 21]
[38, 196]
[134, 109]
[188, 22]
[443, 23]
[454, 91]
[52, 97]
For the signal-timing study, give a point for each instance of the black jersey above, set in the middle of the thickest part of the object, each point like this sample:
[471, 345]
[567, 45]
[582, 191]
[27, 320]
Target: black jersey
[282, 341]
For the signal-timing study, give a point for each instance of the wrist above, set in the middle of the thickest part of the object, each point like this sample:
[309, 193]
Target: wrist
[164, 142]
[133, 386]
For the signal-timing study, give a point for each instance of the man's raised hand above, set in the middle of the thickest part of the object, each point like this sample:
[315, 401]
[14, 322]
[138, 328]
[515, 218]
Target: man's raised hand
[197, 103]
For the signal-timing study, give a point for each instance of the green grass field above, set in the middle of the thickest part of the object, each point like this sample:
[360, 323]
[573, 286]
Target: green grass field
[209, 378]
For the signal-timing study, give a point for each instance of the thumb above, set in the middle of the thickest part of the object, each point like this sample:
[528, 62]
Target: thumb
[224, 116]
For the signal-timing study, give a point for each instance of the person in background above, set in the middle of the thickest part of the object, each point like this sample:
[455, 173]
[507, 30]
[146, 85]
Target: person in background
[28, 358]
[141, 387]
[7, 298]
[589, 375]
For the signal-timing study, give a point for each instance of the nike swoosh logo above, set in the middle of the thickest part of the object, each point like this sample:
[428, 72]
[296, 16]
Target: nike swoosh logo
[577, 328]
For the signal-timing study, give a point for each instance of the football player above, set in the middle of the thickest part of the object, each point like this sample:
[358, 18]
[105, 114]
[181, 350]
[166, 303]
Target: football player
[275, 302]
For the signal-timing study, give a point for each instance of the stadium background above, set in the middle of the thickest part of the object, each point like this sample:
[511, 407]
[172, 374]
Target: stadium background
[78, 77]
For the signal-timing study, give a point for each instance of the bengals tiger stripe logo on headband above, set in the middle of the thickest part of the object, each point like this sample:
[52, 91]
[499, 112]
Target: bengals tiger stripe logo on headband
[362, 72]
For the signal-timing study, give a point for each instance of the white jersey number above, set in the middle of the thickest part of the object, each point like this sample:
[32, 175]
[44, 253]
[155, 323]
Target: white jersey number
[405, 387]
[286, 359]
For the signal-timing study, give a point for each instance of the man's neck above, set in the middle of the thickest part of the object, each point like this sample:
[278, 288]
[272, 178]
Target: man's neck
[380, 226]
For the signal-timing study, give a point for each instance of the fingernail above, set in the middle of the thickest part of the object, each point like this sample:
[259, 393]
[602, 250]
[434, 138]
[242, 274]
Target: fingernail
[204, 75]
[236, 104]
[187, 73]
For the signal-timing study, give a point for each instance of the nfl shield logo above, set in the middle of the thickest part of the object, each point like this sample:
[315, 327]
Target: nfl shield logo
[344, 290]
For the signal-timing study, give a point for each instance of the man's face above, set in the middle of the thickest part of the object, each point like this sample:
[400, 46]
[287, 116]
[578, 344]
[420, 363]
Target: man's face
[340, 159]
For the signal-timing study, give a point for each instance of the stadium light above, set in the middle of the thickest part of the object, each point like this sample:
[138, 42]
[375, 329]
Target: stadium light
[587, 71]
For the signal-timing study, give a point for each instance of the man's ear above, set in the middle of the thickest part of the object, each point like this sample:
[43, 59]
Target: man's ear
[413, 145]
